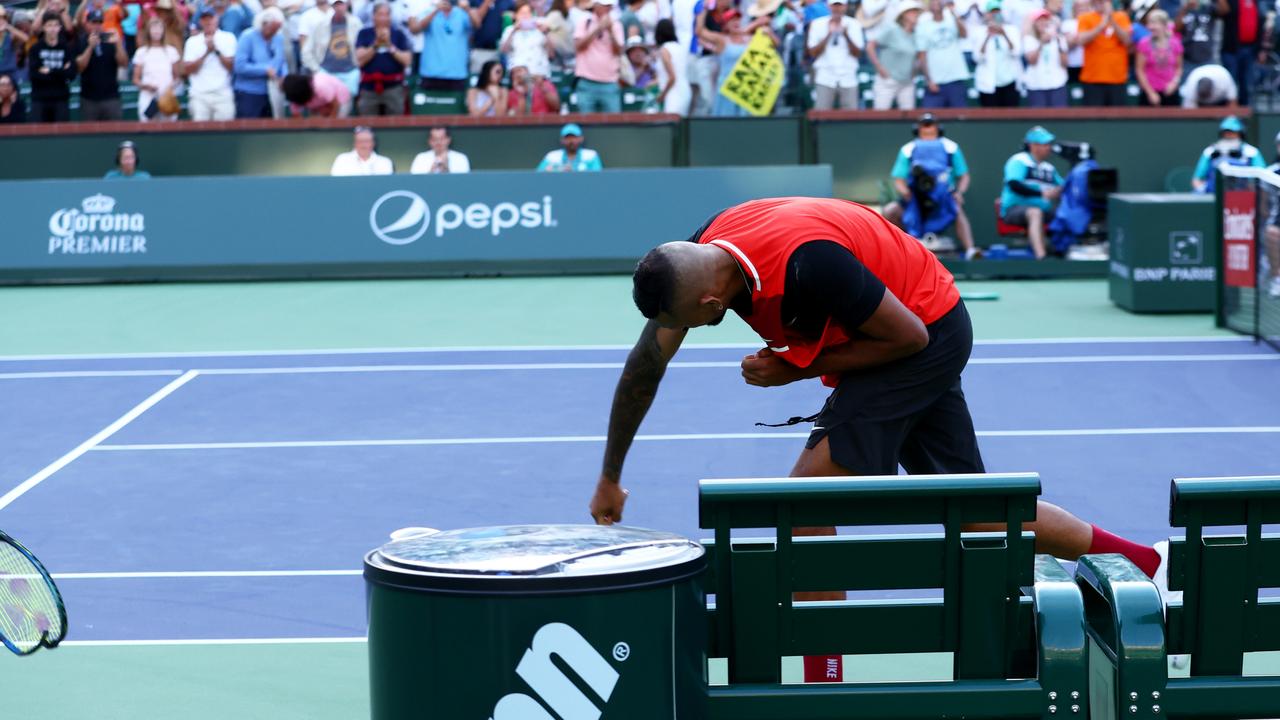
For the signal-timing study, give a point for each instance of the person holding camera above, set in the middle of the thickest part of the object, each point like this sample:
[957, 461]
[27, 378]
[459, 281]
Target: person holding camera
[99, 57]
[997, 49]
[931, 178]
[1031, 187]
[384, 55]
[1229, 149]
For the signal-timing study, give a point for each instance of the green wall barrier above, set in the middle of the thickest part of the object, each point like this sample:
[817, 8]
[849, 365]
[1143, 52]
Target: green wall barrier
[405, 225]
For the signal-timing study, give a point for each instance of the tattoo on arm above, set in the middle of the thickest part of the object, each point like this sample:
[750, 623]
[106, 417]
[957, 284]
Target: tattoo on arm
[636, 389]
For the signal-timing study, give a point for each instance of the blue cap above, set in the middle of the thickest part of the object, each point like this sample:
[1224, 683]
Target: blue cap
[570, 129]
[1038, 135]
[1231, 124]
[206, 11]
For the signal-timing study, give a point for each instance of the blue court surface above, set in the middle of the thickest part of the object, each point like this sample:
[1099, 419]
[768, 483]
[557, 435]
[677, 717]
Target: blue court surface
[225, 496]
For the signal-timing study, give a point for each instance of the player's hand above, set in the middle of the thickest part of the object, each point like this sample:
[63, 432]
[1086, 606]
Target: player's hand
[765, 369]
[606, 504]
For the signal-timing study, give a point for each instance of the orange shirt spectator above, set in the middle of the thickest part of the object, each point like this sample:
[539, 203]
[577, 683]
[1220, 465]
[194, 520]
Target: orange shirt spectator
[1106, 38]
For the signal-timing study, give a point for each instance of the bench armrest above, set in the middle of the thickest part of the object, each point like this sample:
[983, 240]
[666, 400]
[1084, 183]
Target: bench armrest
[1124, 616]
[1061, 644]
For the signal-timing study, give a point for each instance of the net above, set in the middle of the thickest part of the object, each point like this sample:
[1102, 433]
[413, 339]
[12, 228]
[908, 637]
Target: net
[1249, 277]
[31, 612]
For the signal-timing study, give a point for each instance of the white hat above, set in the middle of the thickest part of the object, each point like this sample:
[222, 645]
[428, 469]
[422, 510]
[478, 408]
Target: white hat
[906, 6]
[606, 3]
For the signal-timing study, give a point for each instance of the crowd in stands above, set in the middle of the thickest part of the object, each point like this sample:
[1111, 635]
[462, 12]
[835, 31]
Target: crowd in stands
[225, 59]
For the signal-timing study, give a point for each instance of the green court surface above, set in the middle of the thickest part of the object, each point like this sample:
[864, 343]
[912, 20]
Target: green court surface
[328, 681]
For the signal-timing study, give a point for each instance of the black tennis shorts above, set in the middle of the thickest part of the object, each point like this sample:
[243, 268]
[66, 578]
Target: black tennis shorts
[910, 412]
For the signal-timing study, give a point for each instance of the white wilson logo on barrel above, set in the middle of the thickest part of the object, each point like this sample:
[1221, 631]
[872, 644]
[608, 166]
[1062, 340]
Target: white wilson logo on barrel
[551, 685]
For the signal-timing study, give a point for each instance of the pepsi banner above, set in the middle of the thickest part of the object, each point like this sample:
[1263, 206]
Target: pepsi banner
[407, 225]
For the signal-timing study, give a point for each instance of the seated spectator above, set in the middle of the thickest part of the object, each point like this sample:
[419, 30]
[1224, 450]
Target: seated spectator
[1031, 187]
[893, 53]
[531, 95]
[157, 67]
[1105, 35]
[835, 43]
[939, 36]
[99, 57]
[361, 159]
[260, 60]
[1158, 62]
[1230, 149]
[126, 164]
[12, 108]
[598, 42]
[526, 43]
[674, 92]
[330, 48]
[572, 157]
[639, 66]
[931, 178]
[51, 67]
[1046, 53]
[444, 64]
[440, 158]
[1209, 86]
[321, 95]
[207, 61]
[383, 54]
[12, 40]
[997, 49]
[488, 98]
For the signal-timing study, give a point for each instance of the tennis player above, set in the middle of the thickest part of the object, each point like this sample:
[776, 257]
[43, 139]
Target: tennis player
[838, 293]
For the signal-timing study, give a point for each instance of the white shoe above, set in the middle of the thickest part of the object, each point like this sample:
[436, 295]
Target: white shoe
[1273, 287]
[1161, 579]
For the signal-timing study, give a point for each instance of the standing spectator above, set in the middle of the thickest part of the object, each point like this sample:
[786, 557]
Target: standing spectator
[731, 44]
[1209, 86]
[598, 41]
[383, 54]
[631, 25]
[362, 159]
[1045, 50]
[207, 61]
[59, 8]
[559, 32]
[488, 98]
[1241, 30]
[1194, 23]
[235, 18]
[997, 50]
[12, 109]
[156, 68]
[11, 41]
[531, 94]
[893, 53]
[940, 36]
[835, 43]
[175, 21]
[487, 19]
[1031, 187]
[1071, 31]
[440, 158]
[98, 60]
[130, 14]
[705, 65]
[525, 43]
[1105, 35]
[674, 93]
[321, 95]
[1271, 232]
[401, 13]
[312, 18]
[126, 164]
[444, 52]
[260, 61]
[1158, 62]
[330, 48]
[571, 157]
[1230, 149]
[51, 68]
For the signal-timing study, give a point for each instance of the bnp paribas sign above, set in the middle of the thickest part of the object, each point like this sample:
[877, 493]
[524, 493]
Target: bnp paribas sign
[97, 228]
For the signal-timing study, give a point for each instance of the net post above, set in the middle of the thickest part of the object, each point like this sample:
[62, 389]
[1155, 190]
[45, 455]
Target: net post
[1220, 283]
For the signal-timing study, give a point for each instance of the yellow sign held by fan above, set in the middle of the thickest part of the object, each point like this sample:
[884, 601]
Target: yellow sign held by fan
[756, 79]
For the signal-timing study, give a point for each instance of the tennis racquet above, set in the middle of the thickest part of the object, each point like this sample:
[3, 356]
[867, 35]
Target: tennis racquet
[31, 612]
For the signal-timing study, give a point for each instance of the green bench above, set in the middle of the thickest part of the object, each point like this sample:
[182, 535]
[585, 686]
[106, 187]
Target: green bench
[1011, 619]
[1220, 618]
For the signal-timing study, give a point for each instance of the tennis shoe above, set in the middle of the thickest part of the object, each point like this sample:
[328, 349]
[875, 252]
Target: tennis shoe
[1161, 579]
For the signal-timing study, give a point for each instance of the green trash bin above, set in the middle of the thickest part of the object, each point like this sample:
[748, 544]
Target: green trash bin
[537, 622]
[1163, 250]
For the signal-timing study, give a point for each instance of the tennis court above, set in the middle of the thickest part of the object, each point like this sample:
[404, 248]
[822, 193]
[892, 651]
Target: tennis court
[205, 505]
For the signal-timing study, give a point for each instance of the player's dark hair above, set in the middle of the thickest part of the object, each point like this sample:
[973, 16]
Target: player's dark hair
[297, 88]
[654, 283]
[1204, 90]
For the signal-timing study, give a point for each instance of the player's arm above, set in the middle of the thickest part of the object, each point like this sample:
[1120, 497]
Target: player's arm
[891, 333]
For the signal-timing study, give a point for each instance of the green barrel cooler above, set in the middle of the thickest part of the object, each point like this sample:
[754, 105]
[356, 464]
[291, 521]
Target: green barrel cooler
[537, 622]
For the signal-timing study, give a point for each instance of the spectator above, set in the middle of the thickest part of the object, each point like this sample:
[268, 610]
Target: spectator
[871, 13]
[1241, 30]
[382, 52]
[207, 61]
[531, 95]
[260, 60]
[1071, 31]
[12, 109]
[1194, 23]
[559, 31]
[893, 53]
[1031, 187]
[11, 41]
[1138, 11]
[99, 57]
[59, 8]
[130, 13]
[235, 18]
[525, 42]
[330, 48]
[321, 95]
[637, 72]
[814, 9]
[126, 164]
[572, 157]
[51, 69]
[835, 43]
[1158, 62]
[310, 19]
[598, 41]
[1209, 86]
[1230, 149]
[674, 93]
[440, 158]
[488, 98]
[997, 50]
[444, 64]
[687, 16]
[175, 21]
[362, 158]
[1271, 233]
[931, 178]
[1105, 35]
[156, 69]
[487, 19]
[1016, 12]
[1045, 50]
[729, 43]
[940, 36]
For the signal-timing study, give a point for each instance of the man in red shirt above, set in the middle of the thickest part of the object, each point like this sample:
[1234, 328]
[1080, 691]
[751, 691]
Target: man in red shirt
[837, 292]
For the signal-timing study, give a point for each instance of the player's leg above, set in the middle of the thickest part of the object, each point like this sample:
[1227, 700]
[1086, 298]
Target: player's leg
[1272, 239]
[1035, 231]
[964, 233]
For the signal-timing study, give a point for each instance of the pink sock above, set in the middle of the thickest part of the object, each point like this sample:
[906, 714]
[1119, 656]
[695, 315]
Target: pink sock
[1145, 557]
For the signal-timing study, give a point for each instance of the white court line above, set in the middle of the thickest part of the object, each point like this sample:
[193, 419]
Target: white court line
[87, 374]
[92, 442]
[569, 348]
[1072, 359]
[1079, 432]
[159, 575]
[215, 641]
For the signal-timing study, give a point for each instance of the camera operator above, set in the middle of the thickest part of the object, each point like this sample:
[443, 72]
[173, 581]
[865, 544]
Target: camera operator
[931, 177]
[1230, 149]
[1031, 187]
